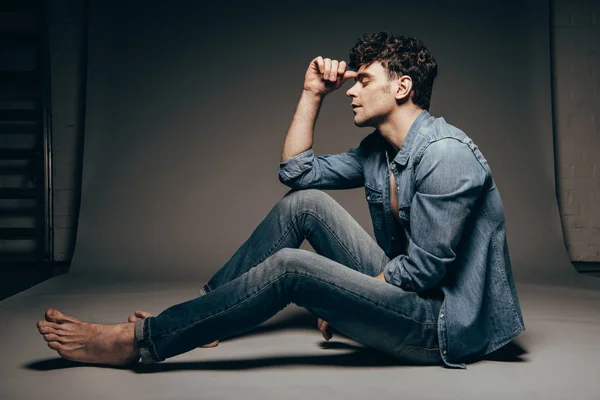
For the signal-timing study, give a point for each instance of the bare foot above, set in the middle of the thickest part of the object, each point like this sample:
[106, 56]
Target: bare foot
[143, 314]
[75, 340]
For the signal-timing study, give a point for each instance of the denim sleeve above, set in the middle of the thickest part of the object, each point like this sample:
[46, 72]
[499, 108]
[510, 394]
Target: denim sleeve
[330, 171]
[448, 180]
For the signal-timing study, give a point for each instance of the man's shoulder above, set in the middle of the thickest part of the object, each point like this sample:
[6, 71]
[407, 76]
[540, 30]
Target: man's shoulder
[438, 130]
[443, 141]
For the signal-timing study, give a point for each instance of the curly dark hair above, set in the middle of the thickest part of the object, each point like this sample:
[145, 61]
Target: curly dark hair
[400, 56]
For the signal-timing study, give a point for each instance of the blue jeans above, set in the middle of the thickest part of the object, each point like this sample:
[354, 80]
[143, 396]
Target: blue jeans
[269, 271]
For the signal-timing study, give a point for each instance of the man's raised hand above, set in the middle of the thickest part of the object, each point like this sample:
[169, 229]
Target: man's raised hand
[325, 75]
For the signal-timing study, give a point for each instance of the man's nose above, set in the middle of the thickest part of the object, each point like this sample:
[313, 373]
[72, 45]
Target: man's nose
[351, 92]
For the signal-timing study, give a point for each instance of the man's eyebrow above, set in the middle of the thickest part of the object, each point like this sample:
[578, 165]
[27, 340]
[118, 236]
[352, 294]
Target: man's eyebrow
[362, 75]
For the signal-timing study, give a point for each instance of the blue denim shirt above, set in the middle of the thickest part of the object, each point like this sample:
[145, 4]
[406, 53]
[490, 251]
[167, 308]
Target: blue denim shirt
[452, 236]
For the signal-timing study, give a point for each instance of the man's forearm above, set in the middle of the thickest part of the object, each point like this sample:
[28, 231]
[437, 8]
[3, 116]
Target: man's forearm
[300, 134]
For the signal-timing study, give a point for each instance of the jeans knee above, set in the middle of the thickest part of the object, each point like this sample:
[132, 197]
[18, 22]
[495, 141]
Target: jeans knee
[290, 259]
[305, 199]
[285, 255]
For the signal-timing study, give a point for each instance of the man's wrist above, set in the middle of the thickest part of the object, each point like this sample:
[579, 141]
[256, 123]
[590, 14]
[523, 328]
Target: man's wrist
[312, 95]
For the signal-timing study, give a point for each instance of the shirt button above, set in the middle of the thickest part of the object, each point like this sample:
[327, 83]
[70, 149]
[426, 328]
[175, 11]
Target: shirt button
[368, 197]
[441, 315]
[444, 352]
[393, 238]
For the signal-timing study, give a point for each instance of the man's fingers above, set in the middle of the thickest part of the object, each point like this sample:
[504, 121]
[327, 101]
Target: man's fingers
[321, 64]
[327, 68]
[349, 75]
[334, 69]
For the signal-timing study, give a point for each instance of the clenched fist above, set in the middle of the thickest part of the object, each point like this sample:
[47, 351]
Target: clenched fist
[325, 75]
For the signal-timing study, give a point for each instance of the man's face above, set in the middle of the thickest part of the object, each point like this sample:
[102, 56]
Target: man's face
[372, 95]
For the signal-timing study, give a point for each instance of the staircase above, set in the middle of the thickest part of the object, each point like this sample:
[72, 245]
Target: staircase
[25, 139]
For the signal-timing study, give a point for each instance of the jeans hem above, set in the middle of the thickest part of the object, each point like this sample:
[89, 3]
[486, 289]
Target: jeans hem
[204, 290]
[143, 341]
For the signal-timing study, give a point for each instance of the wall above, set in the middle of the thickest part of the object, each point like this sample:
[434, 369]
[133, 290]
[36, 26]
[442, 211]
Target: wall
[576, 82]
[576, 98]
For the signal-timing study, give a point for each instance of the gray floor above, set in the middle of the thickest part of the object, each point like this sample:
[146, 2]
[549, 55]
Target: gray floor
[555, 358]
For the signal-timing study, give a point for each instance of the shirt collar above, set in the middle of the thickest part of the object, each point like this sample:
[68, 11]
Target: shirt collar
[404, 152]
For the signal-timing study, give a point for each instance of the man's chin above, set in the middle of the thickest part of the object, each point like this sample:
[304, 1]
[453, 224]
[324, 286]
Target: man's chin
[361, 124]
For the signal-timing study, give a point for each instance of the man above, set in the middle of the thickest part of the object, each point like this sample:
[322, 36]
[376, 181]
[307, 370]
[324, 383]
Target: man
[436, 286]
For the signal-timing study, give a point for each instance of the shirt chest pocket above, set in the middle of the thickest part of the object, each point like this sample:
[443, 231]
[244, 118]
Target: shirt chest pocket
[375, 201]
[405, 191]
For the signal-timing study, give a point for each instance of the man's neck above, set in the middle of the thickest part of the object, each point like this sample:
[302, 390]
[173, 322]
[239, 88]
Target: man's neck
[396, 127]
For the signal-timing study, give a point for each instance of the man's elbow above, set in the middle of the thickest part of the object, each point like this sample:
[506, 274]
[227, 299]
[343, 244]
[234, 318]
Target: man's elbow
[292, 183]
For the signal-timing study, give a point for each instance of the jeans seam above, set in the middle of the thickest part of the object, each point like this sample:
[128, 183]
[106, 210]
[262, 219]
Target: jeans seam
[270, 251]
[334, 235]
[220, 312]
[281, 277]
[287, 230]
[368, 301]
[415, 347]
[152, 347]
[281, 239]
[294, 222]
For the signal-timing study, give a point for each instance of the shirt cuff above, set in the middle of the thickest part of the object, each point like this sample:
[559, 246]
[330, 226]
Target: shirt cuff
[394, 273]
[295, 166]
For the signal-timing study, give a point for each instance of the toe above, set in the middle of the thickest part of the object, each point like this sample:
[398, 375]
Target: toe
[142, 314]
[51, 337]
[50, 314]
[54, 315]
[44, 325]
[54, 345]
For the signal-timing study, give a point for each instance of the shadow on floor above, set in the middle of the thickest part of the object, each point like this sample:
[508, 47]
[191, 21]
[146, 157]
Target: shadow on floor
[353, 355]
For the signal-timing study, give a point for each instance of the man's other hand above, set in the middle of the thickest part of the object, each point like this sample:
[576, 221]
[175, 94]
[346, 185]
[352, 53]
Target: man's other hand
[325, 329]
[325, 75]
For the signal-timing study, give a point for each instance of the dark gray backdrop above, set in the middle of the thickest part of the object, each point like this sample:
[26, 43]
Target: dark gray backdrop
[188, 108]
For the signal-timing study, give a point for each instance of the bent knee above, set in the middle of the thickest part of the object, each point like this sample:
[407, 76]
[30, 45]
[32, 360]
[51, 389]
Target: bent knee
[290, 259]
[306, 198]
[289, 254]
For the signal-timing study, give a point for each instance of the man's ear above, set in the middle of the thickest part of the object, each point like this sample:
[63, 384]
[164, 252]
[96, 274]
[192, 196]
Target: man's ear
[404, 87]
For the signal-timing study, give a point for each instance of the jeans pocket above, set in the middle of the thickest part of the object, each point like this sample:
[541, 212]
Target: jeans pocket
[419, 355]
